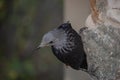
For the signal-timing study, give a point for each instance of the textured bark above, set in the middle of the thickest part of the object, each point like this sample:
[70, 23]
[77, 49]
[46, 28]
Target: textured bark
[102, 40]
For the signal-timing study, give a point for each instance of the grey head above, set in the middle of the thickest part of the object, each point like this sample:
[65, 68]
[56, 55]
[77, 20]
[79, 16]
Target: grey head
[57, 37]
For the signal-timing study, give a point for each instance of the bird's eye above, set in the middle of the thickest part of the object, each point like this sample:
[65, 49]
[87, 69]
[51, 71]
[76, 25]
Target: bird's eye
[51, 42]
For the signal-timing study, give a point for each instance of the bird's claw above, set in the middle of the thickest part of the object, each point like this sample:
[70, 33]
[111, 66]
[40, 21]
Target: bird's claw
[82, 29]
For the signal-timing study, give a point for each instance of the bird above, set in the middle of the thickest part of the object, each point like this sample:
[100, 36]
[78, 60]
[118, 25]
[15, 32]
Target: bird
[66, 45]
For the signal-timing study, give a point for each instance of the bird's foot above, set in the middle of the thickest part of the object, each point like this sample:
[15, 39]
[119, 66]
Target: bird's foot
[82, 29]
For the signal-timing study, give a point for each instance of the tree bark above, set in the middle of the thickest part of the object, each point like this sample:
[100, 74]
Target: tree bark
[102, 40]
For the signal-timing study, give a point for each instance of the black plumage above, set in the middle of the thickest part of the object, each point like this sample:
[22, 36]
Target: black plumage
[67, 46]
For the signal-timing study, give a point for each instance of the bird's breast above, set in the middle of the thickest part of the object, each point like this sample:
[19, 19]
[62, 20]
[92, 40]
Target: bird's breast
[60, 54]
[64, 47]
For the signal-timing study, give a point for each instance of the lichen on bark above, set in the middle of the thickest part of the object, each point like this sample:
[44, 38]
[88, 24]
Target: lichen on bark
[102, 45]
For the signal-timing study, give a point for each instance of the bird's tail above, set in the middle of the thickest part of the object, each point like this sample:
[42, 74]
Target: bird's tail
[84, 64]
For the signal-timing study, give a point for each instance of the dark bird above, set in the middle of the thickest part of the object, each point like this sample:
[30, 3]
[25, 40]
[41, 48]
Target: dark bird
[66, 45]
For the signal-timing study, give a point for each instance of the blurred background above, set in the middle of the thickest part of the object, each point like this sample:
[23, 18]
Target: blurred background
[22, 25]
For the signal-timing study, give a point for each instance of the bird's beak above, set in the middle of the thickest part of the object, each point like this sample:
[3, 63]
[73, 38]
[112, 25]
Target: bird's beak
[43, 45]
[40, 46]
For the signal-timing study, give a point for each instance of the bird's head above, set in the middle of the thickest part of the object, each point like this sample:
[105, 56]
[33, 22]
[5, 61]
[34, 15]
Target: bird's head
[55, 37]
[48, 39]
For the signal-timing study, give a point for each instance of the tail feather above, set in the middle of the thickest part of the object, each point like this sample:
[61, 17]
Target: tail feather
[84, 65]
